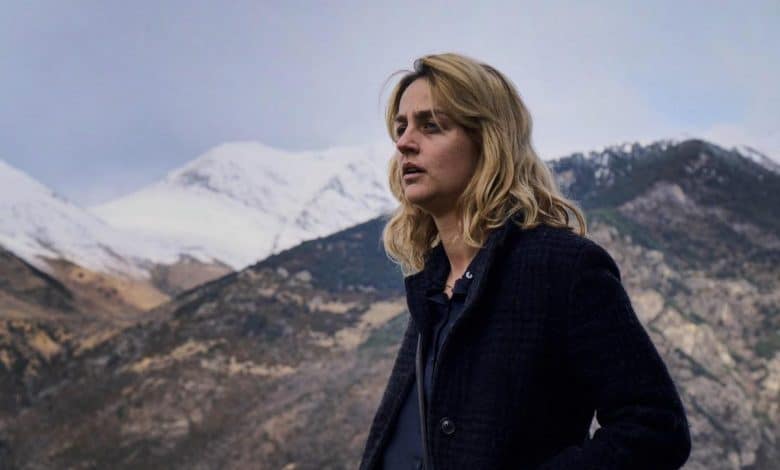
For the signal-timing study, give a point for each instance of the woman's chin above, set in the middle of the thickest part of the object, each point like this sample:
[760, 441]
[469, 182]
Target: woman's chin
[424, 202]
[416, 197]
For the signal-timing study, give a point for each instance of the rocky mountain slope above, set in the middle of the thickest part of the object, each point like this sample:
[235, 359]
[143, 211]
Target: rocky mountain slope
[282, 364]
[707, 283]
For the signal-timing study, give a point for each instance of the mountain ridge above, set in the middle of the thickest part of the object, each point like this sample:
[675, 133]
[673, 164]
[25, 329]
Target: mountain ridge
[238, 371]
[218, 208]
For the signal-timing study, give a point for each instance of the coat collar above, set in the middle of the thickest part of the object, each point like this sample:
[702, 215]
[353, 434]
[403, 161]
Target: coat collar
[433, 276]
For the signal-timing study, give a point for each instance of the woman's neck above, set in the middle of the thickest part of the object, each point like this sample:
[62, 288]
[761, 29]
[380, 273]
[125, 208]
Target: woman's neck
[458, 252]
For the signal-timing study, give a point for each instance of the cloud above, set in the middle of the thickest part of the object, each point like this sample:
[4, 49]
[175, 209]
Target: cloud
[92, 92]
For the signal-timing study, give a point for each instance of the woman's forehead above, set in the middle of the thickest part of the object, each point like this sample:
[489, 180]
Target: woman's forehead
[417, 96]
[421, 103]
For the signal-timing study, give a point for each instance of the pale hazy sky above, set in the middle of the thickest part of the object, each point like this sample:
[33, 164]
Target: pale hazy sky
[98, 98]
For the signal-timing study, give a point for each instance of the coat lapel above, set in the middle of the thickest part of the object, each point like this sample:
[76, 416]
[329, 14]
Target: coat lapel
[418, 286]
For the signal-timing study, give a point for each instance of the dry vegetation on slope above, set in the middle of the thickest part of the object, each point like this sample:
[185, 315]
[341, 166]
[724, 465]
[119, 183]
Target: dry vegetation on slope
[282, 365]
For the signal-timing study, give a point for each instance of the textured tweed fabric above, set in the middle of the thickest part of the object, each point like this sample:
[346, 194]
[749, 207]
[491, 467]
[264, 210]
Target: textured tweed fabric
[547, 338]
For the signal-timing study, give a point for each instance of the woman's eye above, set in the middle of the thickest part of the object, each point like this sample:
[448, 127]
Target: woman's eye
[399, 130]
[431, 126]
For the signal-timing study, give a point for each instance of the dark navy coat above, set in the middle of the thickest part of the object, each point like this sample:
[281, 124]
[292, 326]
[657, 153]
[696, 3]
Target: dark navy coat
[404, 450]
[547, 338]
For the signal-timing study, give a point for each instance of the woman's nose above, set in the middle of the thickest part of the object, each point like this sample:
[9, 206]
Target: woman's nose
[406, 143]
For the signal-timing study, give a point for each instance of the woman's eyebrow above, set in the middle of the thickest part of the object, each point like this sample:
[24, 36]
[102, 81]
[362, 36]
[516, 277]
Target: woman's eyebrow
[421, 115]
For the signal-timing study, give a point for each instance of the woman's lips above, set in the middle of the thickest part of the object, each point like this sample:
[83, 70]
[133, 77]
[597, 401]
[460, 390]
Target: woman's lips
[409, 177]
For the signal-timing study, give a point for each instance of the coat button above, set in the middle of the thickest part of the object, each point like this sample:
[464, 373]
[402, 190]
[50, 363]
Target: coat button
[447, 426]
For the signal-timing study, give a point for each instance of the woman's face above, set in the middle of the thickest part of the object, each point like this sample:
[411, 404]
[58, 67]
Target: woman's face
[445, 156]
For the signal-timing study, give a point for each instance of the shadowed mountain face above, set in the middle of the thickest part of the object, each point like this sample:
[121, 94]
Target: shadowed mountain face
[28, 285]
[282, 365]
[32, 302]
[45, 321]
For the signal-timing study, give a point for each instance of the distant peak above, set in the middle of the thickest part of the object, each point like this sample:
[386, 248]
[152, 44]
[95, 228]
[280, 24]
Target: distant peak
[240, 147]
[621, 158]
[635, 149]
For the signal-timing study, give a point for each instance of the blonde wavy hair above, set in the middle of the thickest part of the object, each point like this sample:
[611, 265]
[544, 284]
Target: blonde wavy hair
[510, 177]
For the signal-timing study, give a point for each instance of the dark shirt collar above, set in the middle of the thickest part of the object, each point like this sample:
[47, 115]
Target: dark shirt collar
[431, 279]
[461, 287]
[436, 270]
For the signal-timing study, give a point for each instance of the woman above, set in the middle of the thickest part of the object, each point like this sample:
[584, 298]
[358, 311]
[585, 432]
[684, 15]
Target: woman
[520, 328]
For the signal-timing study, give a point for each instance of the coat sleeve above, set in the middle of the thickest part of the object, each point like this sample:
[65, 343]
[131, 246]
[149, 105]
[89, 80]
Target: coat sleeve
[615, 365]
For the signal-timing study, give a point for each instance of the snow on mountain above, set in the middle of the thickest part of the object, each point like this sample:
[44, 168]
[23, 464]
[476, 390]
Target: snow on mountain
[242, 201]
[602, 155]
[237, 203]
[758, 157]
[602, 160]
[36, 223]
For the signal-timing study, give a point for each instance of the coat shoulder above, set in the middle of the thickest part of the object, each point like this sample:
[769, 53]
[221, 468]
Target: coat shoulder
[558, 248]
[552, 241]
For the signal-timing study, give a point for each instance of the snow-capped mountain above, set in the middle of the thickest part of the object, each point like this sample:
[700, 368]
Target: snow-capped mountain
[36, 223]
[242, 201]
[637, 150]
[691, 168]
[236, 204]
